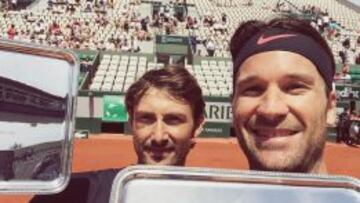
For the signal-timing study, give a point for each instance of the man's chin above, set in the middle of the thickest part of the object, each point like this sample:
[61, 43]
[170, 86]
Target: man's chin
[160, 161]
[279, 161]
[274, 167]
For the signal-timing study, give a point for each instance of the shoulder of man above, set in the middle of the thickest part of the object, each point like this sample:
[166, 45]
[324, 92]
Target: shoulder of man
[85, 187]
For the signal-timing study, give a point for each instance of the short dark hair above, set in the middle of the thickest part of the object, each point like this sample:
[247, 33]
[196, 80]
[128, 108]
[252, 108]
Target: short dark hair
[177, 81]
[248, 29]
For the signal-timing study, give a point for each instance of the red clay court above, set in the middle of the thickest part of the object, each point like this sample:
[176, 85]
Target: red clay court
[115, 151]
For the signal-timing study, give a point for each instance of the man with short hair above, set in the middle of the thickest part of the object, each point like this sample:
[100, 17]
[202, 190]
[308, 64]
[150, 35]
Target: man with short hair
[166, 113]
[283, 96]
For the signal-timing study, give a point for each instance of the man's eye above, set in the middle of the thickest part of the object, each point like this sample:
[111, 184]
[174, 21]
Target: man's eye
[296, 88]
[173, 120]
[145, 119]
[252, 91]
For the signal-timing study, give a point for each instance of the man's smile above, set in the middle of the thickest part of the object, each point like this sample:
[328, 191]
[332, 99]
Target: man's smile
[158, 152]
[274, 138]
[273, 132]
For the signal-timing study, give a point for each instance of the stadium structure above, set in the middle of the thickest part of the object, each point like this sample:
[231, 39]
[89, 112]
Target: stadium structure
[117, 41]
[21, 103]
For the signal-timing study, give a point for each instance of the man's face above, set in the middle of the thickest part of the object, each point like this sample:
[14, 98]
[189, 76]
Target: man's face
[163, 128]
[280, 111]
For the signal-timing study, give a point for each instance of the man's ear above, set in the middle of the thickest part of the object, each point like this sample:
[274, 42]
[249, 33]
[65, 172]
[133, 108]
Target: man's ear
[200, 127]
[130, 122]
[197, 131]
[331, 110]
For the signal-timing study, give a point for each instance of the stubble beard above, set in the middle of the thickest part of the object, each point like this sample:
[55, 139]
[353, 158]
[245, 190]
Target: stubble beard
[300, 161]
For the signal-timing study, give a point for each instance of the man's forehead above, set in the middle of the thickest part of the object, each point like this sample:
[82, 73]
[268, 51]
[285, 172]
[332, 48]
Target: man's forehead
[155, 98]
[161, 93]
[167, 113]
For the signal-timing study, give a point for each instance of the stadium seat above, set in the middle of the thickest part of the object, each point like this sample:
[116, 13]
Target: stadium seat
[95, 86]
[106, 87]
[98, 79]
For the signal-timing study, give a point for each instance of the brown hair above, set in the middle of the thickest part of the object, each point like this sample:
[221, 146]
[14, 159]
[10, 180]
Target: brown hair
[177, 81]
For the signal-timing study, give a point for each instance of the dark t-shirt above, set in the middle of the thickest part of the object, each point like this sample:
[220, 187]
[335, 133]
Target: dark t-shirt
[344, 120]
[88, 187]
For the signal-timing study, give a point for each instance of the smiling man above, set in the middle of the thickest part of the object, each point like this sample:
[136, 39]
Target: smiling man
[166, 111]
[283, 97]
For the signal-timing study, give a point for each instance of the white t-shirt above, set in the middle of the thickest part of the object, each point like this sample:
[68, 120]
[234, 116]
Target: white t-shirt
[210, 45]
[350, 57]
[37, 28]
[345, 77]
[354, 130]
[326, 19]
[110, 46]
[319, 22]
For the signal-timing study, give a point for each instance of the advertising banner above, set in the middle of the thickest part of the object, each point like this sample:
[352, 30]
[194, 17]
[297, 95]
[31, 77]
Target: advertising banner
[114, 109]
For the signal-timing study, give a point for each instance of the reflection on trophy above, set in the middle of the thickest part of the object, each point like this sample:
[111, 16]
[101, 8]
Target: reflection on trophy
[21, 104]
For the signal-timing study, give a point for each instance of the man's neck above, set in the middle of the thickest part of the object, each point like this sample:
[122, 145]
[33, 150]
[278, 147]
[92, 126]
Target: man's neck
[319, 167]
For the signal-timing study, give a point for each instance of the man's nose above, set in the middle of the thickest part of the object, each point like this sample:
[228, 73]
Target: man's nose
[159, 135]
[273, 105]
